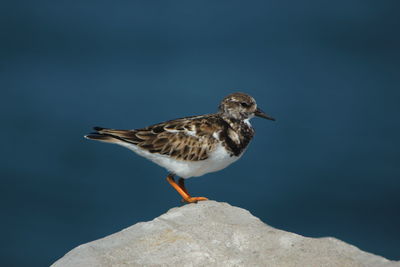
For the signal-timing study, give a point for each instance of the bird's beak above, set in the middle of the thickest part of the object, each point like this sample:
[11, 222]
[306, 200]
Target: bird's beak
[260, 113]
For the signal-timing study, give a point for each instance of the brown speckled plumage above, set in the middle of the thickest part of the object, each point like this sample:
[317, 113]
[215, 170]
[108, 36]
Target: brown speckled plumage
[193, 138]
[188, 138]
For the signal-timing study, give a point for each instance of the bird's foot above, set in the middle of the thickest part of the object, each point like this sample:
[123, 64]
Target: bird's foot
[180, 188]
[190, 199]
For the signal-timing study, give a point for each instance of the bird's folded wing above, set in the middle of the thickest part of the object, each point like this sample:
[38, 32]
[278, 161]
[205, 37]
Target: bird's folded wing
[184, 140]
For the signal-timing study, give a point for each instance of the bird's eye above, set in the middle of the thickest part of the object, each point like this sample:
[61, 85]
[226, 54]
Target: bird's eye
[244, 104]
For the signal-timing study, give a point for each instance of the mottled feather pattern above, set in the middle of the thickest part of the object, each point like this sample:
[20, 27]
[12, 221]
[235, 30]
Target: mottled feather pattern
[184, 139]
[188, 139]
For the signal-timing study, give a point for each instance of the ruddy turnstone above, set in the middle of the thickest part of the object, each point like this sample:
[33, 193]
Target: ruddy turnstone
[192, 146]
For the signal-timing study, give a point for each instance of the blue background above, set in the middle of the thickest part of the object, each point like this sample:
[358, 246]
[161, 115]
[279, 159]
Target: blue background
[327, 70]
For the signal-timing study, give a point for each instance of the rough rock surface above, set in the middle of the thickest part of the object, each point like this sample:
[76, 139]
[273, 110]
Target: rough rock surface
[215, 234]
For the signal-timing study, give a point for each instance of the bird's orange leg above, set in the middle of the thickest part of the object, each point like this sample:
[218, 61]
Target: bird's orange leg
[182, 191]
[181, 183]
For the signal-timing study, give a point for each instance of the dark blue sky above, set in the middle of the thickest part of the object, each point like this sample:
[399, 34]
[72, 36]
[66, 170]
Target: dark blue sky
[328, 71]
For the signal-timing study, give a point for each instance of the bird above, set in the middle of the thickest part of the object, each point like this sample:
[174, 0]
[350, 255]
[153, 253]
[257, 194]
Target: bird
[192, 146]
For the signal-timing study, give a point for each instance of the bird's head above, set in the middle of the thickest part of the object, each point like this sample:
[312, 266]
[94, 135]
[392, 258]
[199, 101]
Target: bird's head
[241, 106]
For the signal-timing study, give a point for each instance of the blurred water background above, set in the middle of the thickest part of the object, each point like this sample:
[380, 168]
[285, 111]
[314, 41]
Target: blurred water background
[327, 70]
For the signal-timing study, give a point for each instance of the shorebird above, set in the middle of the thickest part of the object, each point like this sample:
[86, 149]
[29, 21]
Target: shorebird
[192, 146]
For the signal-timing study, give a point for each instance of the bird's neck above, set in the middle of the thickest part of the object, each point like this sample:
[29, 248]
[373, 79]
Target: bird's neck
[236, 135]
[236, 124]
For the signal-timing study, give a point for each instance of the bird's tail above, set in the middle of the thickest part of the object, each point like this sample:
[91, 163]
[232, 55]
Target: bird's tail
[105, 135]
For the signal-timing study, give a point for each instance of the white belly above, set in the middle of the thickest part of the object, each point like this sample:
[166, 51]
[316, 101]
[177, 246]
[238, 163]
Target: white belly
[218, 160]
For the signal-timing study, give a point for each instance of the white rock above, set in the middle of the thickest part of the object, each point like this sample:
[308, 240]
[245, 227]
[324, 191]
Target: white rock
[215, 234]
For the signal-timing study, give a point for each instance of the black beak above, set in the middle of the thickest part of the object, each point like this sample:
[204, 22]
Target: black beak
[260, 113]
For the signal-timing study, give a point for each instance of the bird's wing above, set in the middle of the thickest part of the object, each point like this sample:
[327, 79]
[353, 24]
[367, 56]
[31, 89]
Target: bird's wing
[184, 139]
